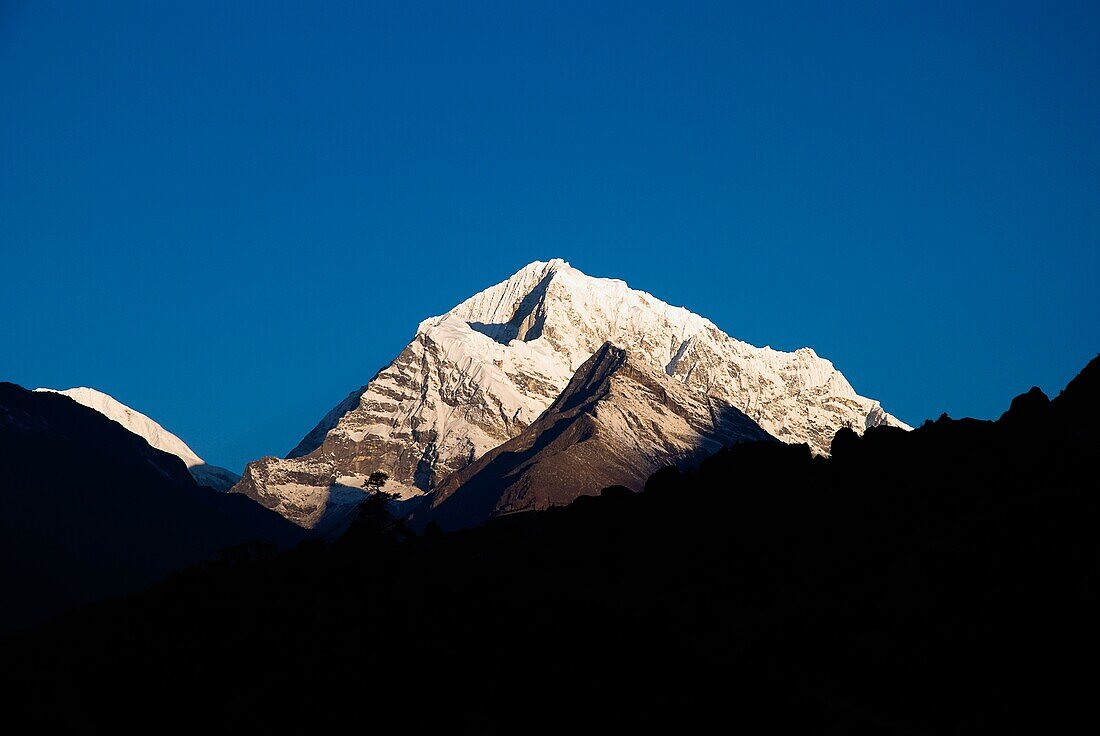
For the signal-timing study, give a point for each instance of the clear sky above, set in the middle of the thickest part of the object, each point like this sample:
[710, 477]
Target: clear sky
[228, 215]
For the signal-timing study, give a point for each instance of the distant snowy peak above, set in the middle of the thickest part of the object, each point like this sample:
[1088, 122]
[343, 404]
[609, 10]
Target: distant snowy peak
[556, 317]
[156, 435]
[477, 376]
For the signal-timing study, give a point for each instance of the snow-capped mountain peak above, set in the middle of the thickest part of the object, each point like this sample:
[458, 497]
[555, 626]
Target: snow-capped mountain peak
[156, 435]
[478, 375]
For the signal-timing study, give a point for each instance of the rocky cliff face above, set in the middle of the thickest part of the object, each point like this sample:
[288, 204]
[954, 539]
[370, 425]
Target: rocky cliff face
[480, 374]
[617, 421]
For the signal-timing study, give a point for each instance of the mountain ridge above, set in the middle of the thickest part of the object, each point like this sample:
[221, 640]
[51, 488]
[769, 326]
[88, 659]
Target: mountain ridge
[617, 421]
[218, 478]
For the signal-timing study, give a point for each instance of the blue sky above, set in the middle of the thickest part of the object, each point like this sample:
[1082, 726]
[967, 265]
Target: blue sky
[228, 215]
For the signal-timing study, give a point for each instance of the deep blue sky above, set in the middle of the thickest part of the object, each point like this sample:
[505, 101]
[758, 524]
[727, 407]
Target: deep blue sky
[228, 215]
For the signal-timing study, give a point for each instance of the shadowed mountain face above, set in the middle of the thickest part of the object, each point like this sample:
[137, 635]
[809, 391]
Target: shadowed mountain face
[927, 582]
[89, 509]
[616, 422]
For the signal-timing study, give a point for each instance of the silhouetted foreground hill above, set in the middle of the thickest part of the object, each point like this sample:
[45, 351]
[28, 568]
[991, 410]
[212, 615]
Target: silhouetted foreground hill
[938, 581]
[89, 509]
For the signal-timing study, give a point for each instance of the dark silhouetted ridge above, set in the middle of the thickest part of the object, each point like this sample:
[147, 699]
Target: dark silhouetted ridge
[926, 582]
[89, 509]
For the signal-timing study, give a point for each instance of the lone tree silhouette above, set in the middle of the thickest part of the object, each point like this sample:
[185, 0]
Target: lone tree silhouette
[373, 520]
[376, 480]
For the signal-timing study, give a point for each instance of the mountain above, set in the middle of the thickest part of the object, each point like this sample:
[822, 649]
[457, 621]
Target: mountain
[478, 375]
[618, 420]
[89, 509]
[157, 436]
